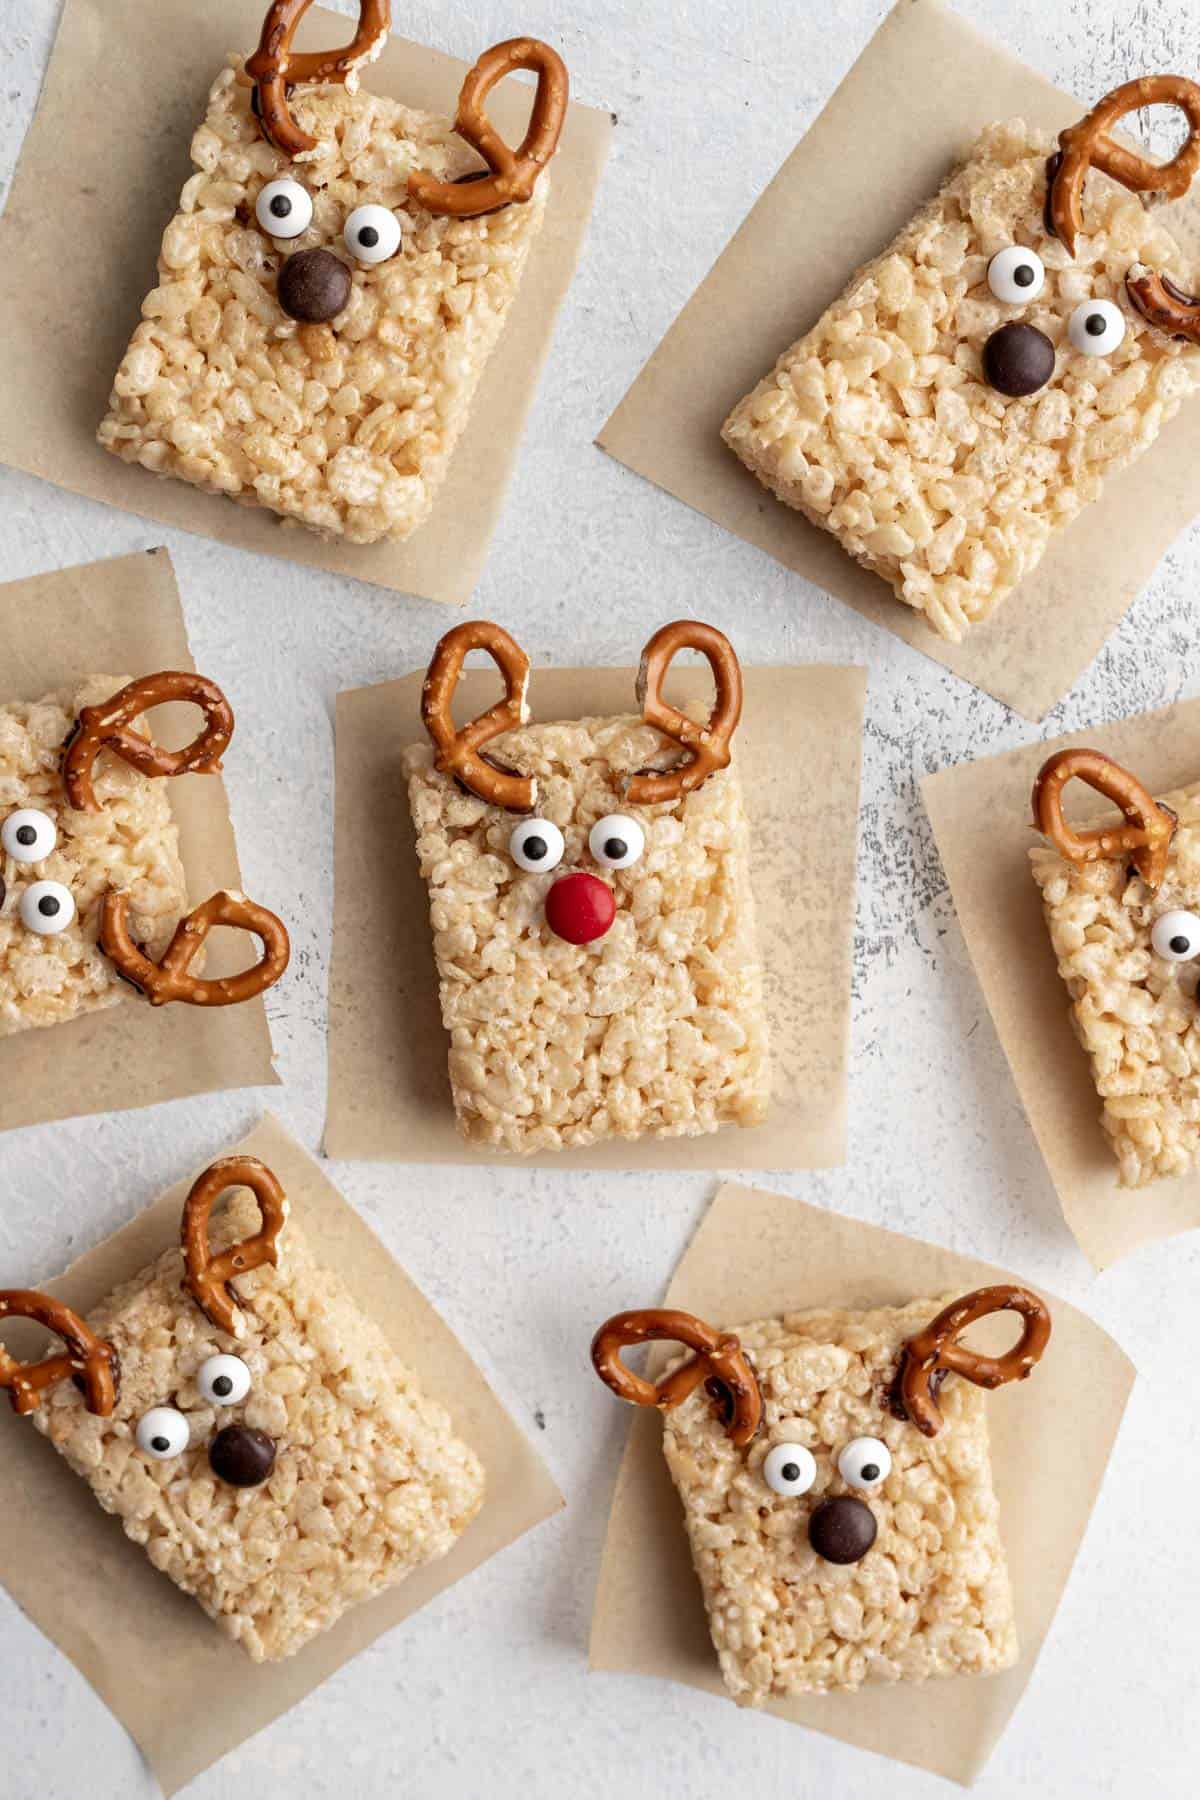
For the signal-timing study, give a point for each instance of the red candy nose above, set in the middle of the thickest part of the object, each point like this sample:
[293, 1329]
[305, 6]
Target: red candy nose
[580, 908]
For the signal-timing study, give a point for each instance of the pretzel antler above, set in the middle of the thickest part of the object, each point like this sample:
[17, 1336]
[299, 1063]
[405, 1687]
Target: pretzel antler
[458, 751]
[707, 745]
[88, 1357]
[1164, 303]
[935, 1352]
[1146, 840]
[719, 1362]
[207, 1277]
[275, 66]
[110, 727]
[1088, 145]
[171, 979]
[514, 173]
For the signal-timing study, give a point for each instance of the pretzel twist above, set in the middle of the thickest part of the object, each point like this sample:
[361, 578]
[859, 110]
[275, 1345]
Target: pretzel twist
[707, 745]
[171, 978]
[1087, 145]
[1162, 302]
[89, 1358]
[935, 1353]
[1146, 839]
[110, 726]
[719, 1361]
[458, 752]
[275, 66]
[207, 1277]
[514, 173]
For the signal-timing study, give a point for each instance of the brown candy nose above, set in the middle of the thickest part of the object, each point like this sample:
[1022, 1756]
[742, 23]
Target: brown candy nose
[313, 286]
[1018, 359]
[242, 1457]
[842, 1530]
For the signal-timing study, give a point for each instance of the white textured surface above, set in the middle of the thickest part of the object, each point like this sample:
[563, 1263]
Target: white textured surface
[486, 1692]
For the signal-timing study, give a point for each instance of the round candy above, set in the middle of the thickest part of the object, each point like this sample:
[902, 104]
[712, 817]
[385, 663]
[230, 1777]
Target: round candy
[242, 1457]
[789, 1469]
[313, 286]
[162, 1433]
[842, 1530]
[47, 907]
[536, 845]
[1097, 327]
[372, 234]
[1176, 936]
[580, 908]
[616, 841]
[28, 836]
[865, 1462]
[223, 1380]
[284, 208]
[1016, 274]
[1018, 359]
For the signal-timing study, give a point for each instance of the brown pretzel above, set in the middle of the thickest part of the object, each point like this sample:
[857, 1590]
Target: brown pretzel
[1146, 840]
[514, 173]
[719, 1361]
[90, 1358]
[458, 751]
[707, 745]
[1087, 145]
[207, 1277]
[935, 1352]
[1161, 301]
[170, 979]
[275, 66]
[110, 727]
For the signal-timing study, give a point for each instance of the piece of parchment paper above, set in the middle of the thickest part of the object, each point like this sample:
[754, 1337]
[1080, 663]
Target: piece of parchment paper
[125, 90]
[123, 617]
[921, 91]
[798, 751]
[982, 819]
[184, 1691]
[757, 1255]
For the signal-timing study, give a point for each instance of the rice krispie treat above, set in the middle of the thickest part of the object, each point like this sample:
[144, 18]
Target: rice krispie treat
[593, 920]
[333, 284]
[92, 889]
[269, 1451]
[1122, 903]
[837, 1488]
[973, 387]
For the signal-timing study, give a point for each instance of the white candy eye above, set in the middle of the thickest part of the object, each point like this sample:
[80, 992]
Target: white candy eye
[47, 908]
[372, 234]
[616, 841]
[865, 1463]
[28, 836]
[162, 1433]
[1016, 274]
[536, 845]
[284, 209]
[223, 1380]
[1096, 327]
[1176, 936]
[789, 1469]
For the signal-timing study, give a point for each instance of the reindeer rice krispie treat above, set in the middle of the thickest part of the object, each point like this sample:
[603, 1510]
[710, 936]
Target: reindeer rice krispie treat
[92, 890]
[593, 920]
[268, 1450]
[1122, 903]
[837, 1487]
[333, 283]
[973, 387]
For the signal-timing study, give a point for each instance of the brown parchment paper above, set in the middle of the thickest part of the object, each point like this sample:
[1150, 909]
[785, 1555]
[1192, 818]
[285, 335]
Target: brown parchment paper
[981, 816]
[923, 88]
[125, 90]
[184, 1691]
[757, 1255]
[122, 617]
[798, 750]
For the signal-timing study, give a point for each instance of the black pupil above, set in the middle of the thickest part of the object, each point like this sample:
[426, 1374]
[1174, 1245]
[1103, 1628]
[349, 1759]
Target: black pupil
[26, 834]
[1097, 325]
[1181, 945]
[161, 1444]
[1023, 274]
[368, 237]
[534, 848]
[790, 1471]
[615, 848]
[48, 906]
[281, 206]
[222, 1385]
[870, 1472]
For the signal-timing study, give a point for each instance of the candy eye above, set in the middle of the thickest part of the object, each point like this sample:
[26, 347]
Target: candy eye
[28, 836]
[223, 1380]
[372, 234]
[536, 845]
[1016, 273]
[865, 1463]
[789, 1469]
[47, 908]
[1176, 936]
[616, 841]
[1096, 327]
[284, 209]
[162, 1433]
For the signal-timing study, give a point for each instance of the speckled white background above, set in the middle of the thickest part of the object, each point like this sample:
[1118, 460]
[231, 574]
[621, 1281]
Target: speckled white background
[485, 1693]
